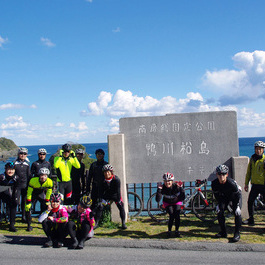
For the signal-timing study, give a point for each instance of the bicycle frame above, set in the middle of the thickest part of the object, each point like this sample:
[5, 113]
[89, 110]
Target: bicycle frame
[198, 189]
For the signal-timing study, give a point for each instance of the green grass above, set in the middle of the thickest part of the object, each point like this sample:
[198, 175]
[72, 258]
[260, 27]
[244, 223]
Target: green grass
[191, 229]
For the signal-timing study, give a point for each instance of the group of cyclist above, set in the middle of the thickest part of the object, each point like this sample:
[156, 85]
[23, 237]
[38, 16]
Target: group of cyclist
[226, 191]
[66, 208]
[75, 208]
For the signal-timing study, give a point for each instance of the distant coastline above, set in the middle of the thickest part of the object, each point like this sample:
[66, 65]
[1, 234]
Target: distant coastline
[7, 149]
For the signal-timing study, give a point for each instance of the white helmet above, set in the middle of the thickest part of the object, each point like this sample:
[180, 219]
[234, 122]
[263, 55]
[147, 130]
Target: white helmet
[168, 176]
[259, 144]
[44, 171]
[42, 151]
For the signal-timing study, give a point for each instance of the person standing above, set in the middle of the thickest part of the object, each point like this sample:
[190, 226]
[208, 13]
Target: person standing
[256, 175]
[227, 191]
[10, 182]
[64, 163]
[40, 163]
[95, 178]
[78, 177]
[23, 172]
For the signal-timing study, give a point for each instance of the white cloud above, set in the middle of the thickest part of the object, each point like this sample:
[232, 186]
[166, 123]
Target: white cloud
[59, 124]
[14, 123]
[47, 42]
[3, 41]
[82, 126]
[97, 108]
[245, 84]
[16, 106]
[72, 125]
[126, 104]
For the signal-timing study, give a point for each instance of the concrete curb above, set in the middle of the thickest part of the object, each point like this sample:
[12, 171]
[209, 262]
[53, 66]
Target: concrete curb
[145, 244]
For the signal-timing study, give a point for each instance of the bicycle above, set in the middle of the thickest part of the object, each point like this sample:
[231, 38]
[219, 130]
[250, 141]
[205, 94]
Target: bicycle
[135, 204]
[200, 202]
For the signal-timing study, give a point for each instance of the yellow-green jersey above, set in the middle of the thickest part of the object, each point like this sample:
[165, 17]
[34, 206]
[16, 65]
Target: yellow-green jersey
[256, 171]
[36, 188]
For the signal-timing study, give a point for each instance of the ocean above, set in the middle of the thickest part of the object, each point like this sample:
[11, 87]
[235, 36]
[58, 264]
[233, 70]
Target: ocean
[246, 148]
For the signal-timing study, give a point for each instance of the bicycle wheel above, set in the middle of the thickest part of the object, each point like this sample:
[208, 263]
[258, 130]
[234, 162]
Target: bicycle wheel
[206, 213]
[156, 211]
[135, 204]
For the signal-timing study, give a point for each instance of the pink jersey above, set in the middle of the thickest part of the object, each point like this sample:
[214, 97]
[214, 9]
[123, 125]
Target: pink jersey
[85, 215]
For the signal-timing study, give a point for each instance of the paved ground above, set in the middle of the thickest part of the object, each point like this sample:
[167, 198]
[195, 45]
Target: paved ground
[147, 244]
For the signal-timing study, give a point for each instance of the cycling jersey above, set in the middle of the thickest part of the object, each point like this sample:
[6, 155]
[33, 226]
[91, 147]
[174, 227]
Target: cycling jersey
[78, 180]
[23, 172]
[255, 171]
[60, 215]
[171, 195]
[35, 167]
[112, 189]
[74, 215]
[36, 188]
[229, 191]
[65, 166]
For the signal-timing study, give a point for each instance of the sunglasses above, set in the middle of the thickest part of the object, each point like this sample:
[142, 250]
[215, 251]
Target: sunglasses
[23, 153]
[42, 154]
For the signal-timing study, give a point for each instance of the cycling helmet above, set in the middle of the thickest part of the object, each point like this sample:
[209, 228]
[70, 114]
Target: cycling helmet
[85, 201]
[259, 144]
[107, 167]
[10, 165]
[42, 151]
[222, 169]
[66, 147]
[168, 176]
[100, 151]
[56, 197]
[80, 151]
[44, 171]
[23, 150]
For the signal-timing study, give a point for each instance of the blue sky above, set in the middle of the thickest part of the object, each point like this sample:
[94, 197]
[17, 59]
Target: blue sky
[69, 69]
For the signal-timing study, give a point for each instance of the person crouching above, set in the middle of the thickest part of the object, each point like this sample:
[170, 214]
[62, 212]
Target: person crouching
[81, 223]
[54, 221]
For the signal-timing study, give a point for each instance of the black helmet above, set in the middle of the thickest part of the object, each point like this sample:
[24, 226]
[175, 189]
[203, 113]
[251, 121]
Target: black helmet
[100, 151]
[10, 165]
[85, 201]
[66, 147]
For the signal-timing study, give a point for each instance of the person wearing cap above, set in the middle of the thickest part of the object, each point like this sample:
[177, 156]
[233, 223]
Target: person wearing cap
[78, 177]
[40, 163]
[9, 183]
[226, 191]
[256, 175]
[39, 189]
[24, 174]
[81, 222]
[63, 164]
[95, 178]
